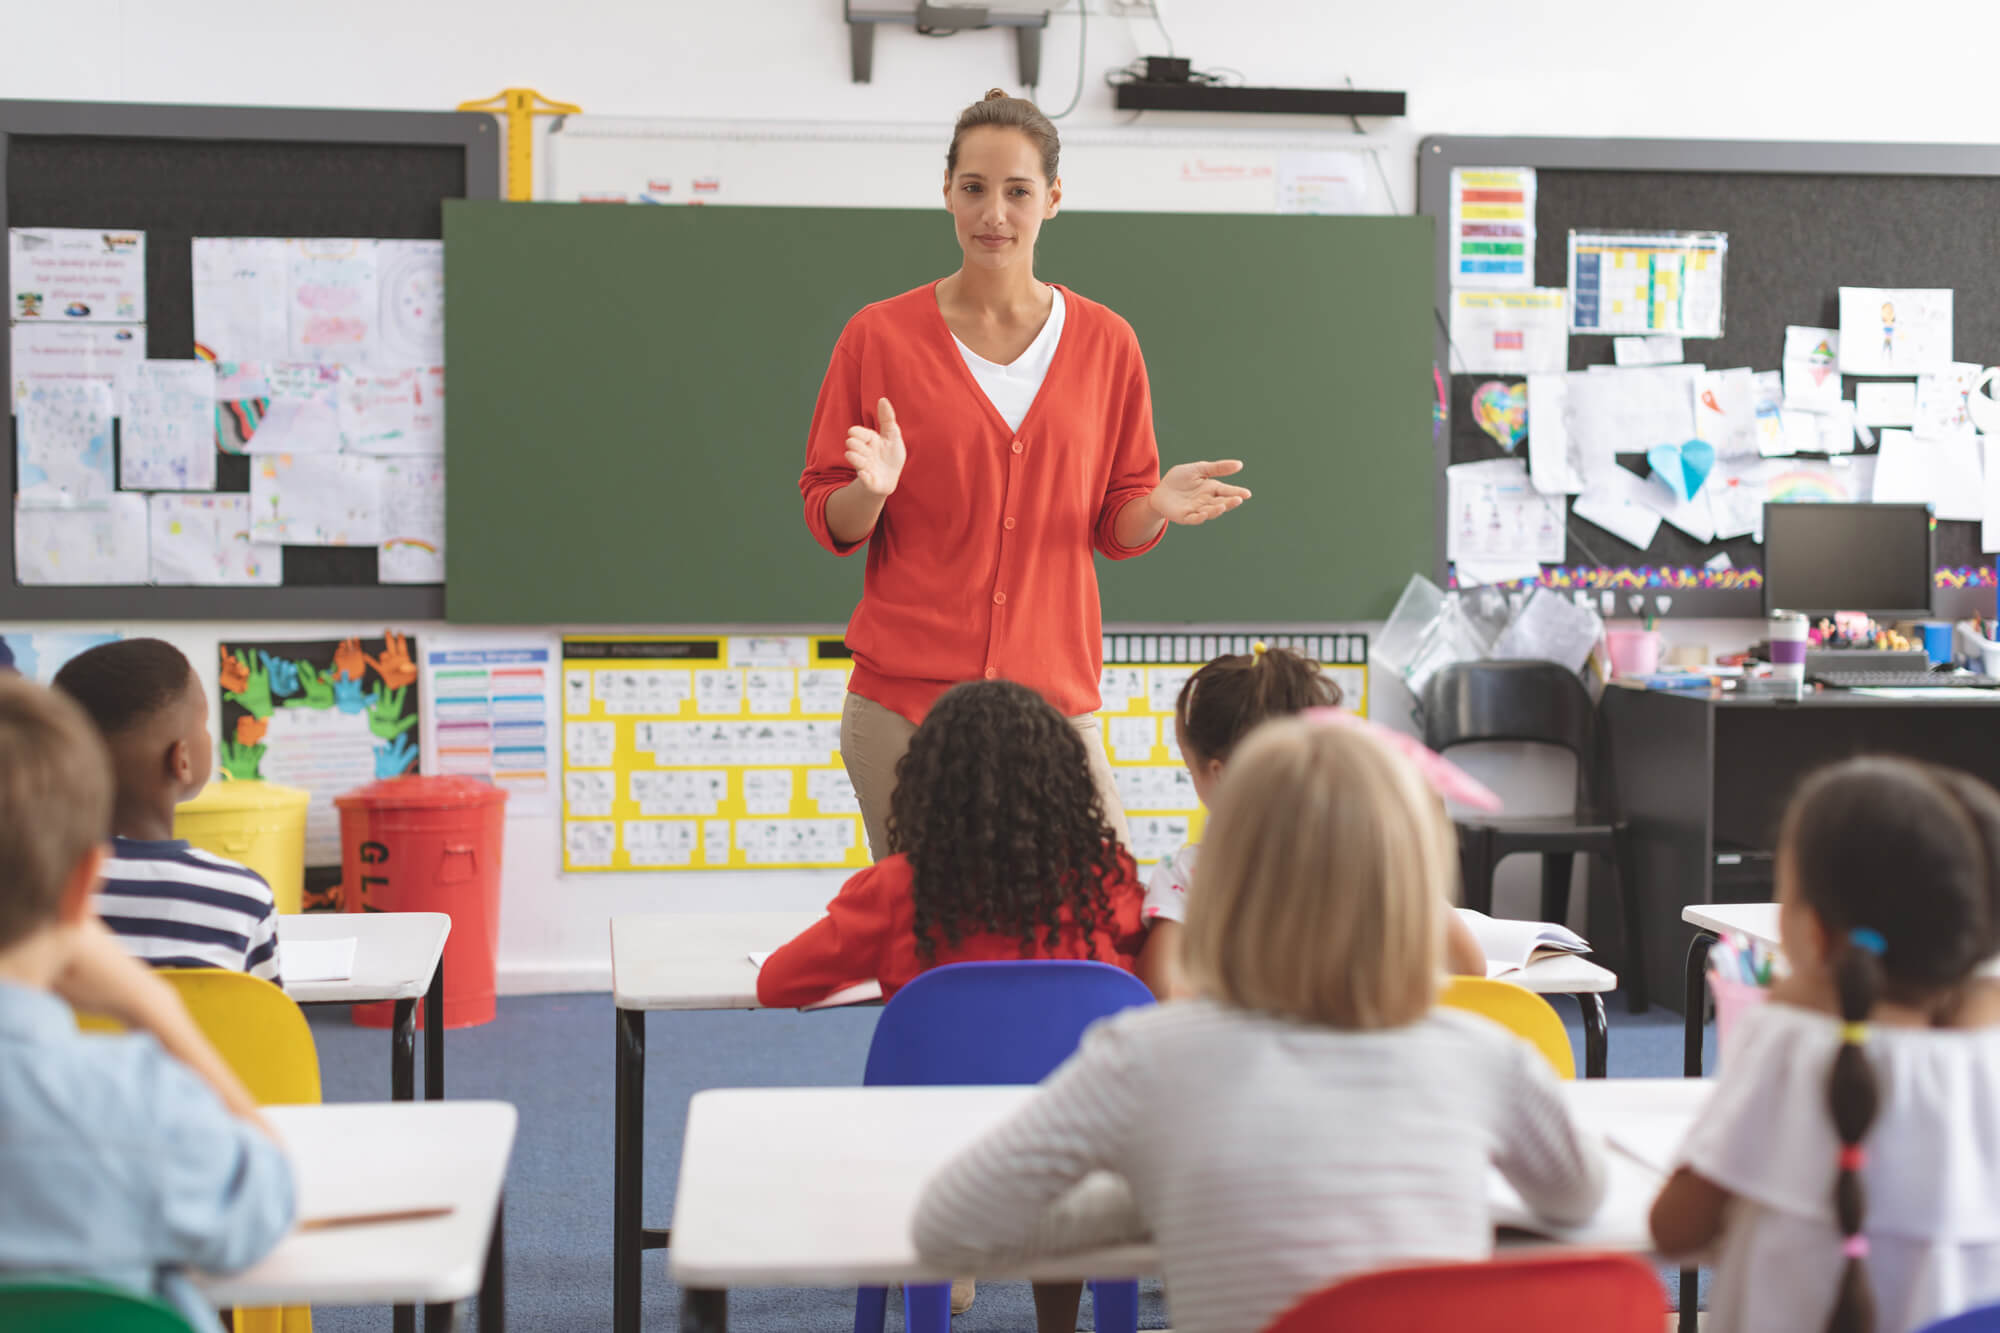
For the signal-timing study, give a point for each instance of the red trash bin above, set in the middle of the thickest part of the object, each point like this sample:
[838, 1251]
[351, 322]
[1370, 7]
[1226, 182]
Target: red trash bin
[430, 845]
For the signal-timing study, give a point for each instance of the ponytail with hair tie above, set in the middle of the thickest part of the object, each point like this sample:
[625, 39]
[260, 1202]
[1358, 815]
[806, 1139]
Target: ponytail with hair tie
[1854, 1099]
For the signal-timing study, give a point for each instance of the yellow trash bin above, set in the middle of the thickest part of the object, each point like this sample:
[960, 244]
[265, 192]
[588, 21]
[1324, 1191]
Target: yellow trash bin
[260, 824]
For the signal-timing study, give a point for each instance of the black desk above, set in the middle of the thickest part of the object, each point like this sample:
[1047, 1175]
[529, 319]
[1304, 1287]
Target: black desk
[1698, 772]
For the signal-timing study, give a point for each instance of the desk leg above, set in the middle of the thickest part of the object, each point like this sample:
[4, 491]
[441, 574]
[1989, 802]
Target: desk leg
[434, 1037]
[628, 1174]
[1694, 996]
[704, 1311]
[493, 1288]
[1596, 1036]
[403, 1088]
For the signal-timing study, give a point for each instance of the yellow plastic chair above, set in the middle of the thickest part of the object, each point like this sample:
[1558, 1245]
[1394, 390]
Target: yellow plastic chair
[1522, 1012]
[262, 1035]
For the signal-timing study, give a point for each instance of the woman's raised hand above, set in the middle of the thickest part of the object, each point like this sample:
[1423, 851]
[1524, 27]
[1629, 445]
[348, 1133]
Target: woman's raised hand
[877, 455]
[1190, 493]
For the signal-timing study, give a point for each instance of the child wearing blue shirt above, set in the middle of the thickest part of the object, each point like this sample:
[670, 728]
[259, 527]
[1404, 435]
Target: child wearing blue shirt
[126, 1159]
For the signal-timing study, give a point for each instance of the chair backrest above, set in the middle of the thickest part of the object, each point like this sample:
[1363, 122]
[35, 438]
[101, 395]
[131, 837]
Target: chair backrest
[1002, 1022]
[1532, 1293]
[1521, 1011]
[1537, 702]
[1985, 1319]
[65, 1305]
[257, 1028]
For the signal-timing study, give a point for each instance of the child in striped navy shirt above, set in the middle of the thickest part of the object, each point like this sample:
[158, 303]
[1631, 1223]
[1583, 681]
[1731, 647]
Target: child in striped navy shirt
[172, 904]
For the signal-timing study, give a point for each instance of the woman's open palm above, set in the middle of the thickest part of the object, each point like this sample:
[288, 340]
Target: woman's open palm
[877, 455]
[1191, 494]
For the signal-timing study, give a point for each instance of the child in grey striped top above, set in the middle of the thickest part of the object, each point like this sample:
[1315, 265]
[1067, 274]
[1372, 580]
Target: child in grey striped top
[1312, 1113]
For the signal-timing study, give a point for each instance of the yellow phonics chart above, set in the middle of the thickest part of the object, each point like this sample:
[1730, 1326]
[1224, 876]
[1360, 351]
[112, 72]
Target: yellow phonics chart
[691, 752]
[1143, 675]
[706, 753]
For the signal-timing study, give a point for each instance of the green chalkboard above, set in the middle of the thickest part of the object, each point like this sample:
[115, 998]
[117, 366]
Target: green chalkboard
[631, 389]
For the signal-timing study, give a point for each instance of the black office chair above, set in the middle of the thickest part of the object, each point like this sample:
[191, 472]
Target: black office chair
[1540, 703]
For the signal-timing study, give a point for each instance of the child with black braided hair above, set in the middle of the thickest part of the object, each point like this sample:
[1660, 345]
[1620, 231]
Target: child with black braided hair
[1846, 1172]
[999, 849]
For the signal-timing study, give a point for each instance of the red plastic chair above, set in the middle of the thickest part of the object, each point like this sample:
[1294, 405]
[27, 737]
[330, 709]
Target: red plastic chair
[1562, 1292]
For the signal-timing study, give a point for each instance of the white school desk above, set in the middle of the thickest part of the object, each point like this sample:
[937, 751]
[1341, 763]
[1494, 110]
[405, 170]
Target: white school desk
[701, 960]
[398, 956]
[368, 1156]
[761, 1203]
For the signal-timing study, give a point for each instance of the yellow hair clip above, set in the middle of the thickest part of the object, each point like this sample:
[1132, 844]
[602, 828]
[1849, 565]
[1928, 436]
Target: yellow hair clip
[1257, 651]
[1854, 1034]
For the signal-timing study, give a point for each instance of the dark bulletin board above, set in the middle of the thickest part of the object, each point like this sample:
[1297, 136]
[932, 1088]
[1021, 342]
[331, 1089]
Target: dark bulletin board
[1803, 221]
[177, 172]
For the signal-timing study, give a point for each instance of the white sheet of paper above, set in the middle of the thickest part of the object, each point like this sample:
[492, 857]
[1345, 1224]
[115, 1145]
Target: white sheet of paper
[1509, 333]
[205, 540]
[1811, 368]
[1132, 738]
[1940, 408]
[1497, 516]
[333, 301]
[317, 960]
[240, 298]
[63, 445]
[378, 410]
[1612, 503]
[316, 499]
[1551, 627]
[1850, 479]
[1736, 493]
[1725, 411]
[1989, 528]
[1613, 411]
[304, 413]
[1894, 330]
[166, 440]
[1653, 349]
[1551, 462]
[413, 522]
[82, 546]
[410, 285]
[1768, 390]
[1801, 432]
[1323, 181]
[1837, 429]
[1886, 402]
[1944, 474]
[1647, 282]
[427, 426]
[94, 353]
[1692, 515]
[73, 275]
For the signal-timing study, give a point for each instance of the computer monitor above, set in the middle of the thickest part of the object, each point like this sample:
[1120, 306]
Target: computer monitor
[1823, 558]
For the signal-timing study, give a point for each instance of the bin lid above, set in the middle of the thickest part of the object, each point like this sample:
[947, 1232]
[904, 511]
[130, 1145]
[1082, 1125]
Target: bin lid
[233, 794]
[419, 793]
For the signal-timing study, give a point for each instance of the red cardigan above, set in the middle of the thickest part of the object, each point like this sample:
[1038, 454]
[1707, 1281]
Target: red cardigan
[869, 934]
[980, 565]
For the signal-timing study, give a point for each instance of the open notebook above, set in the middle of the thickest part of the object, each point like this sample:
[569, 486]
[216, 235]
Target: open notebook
[1510, 946]
[317, 960]
[861, 992]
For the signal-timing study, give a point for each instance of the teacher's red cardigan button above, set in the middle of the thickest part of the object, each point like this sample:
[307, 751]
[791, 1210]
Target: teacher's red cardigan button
[1008, 524]
[1017, 446]
[992, 673]
[999, 599]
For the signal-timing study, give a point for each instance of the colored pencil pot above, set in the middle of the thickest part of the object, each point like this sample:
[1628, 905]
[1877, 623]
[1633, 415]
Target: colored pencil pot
[430, 845]
[1732, 1000]
[1634, 652]
[258, 824]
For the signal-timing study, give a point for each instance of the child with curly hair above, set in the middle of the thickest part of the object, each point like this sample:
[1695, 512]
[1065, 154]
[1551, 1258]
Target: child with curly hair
[999, 848]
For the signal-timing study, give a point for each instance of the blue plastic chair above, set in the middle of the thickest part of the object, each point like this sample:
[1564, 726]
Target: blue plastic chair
[1985, 1319]
[988, 1023]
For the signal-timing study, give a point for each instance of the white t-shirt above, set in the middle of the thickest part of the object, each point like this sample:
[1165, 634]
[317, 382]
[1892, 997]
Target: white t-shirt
[1012, 388]
[1932, 1174]
[1167, 886]
[1266, 1157]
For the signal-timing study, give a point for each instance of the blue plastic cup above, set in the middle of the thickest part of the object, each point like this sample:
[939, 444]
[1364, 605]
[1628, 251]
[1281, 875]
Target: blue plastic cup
[1937, 641]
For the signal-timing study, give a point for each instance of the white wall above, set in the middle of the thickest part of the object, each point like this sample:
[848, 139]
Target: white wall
[1846, 70]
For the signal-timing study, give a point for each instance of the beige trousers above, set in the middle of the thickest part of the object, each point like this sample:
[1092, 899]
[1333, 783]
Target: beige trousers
[873, 738]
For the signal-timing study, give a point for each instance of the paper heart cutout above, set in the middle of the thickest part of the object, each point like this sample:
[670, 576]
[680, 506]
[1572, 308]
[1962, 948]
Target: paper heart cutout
[1684, 467]
[1502, 411]
[1984, 411]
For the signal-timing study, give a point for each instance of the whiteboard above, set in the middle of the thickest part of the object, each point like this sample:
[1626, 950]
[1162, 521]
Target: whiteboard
[610, 159]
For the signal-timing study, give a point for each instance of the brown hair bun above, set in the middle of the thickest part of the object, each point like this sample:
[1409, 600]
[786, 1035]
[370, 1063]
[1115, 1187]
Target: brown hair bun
[1013, 113]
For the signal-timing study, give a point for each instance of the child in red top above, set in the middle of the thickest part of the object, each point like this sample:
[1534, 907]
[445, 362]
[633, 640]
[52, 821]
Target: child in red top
[999, 850]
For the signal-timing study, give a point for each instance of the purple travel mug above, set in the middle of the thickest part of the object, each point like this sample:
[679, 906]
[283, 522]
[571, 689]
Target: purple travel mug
[1788, 647]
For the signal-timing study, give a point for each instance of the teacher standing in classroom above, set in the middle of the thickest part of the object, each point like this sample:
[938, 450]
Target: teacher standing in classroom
[982, 434]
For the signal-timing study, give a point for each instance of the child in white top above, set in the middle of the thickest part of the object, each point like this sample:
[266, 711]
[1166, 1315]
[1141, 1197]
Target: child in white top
[1847, 1171]
[1311, 1112]
[1217, 707]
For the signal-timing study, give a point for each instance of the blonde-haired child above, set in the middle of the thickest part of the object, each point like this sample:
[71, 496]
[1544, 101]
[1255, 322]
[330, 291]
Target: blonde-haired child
[1311, 1113]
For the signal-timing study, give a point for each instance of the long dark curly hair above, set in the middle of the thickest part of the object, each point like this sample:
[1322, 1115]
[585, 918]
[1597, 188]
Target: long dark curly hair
[996, 811]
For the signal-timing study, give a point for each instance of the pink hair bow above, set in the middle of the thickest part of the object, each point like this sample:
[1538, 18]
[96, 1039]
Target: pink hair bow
[1446, 778]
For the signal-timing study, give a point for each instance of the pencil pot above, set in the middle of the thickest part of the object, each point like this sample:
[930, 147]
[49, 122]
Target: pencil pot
[430, 845]
[1732, 1000]
[1634, 652]
[258, 824]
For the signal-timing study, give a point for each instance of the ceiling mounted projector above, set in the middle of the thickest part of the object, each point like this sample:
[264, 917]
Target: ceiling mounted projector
[942, 19]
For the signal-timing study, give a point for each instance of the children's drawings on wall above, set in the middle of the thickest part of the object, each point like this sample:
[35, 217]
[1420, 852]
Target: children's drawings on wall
[328, 715]
[333, 299]
[316, 499]
[302, 414]
[63, 444]
[82, 547]
[205, 540]
[410, 325]
[70, 275]
[97, 353]
[167, 433]
[412, 542]
[1894, 331]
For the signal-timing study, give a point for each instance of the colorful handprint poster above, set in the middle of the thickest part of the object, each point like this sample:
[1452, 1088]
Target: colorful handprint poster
[328, 715]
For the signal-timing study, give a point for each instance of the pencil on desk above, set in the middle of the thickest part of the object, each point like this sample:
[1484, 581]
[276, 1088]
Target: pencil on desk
[373, 1219]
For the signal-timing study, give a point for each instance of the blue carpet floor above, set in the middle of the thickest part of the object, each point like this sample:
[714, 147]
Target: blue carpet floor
[552, 1057]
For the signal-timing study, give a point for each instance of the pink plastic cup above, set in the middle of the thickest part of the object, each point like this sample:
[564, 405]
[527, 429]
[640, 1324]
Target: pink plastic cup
[1634, 652]
[1732, 1000]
